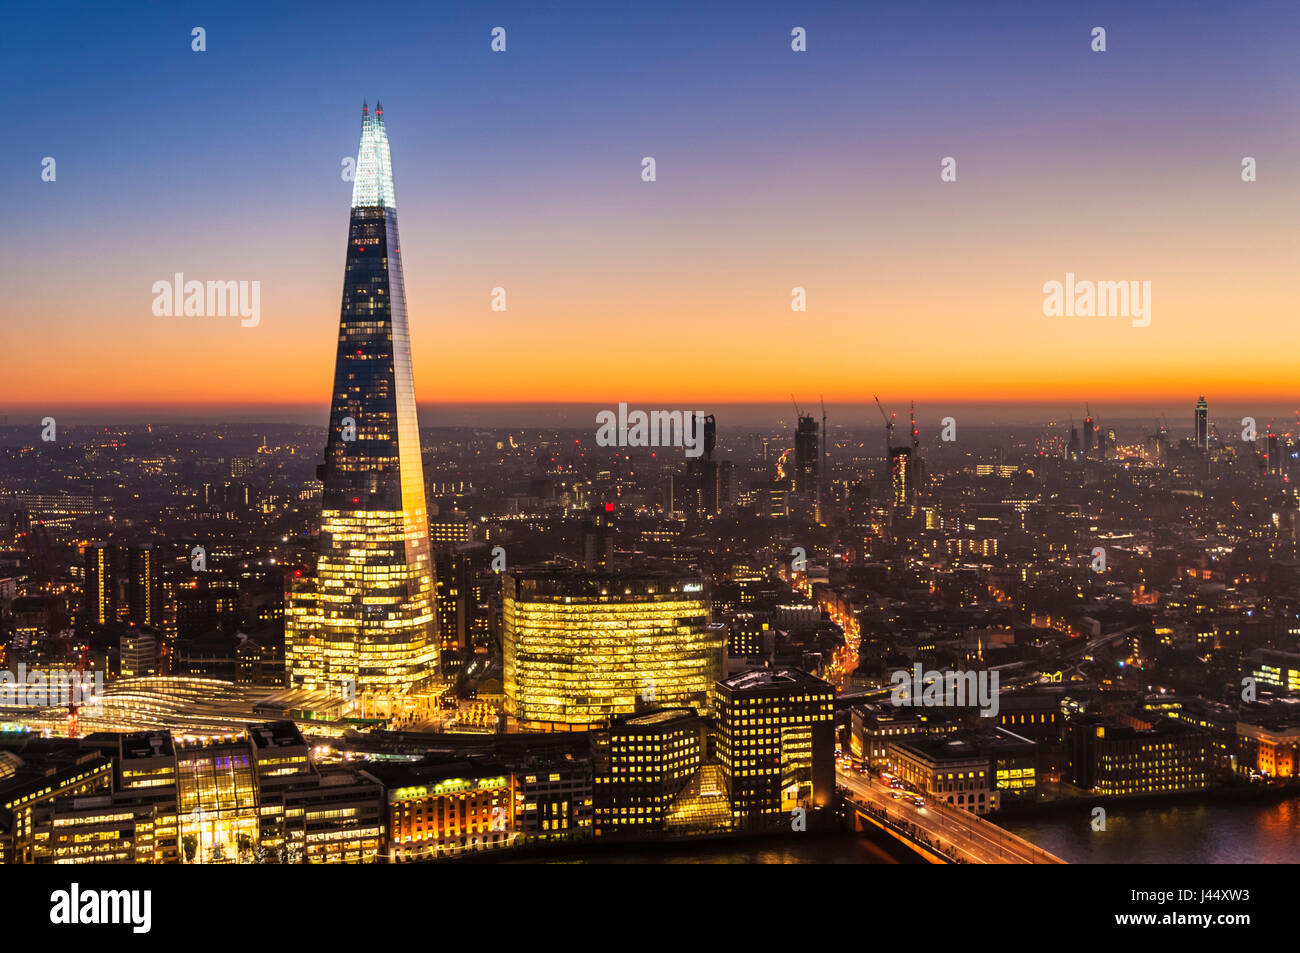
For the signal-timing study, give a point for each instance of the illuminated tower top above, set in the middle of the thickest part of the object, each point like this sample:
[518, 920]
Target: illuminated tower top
[373, 185]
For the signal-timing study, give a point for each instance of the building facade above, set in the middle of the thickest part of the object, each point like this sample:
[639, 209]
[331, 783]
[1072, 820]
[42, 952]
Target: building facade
[643, 763]
[775, 741]
[584, 647]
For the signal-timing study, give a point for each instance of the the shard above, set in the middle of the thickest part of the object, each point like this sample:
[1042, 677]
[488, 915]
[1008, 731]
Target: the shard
[364, 622]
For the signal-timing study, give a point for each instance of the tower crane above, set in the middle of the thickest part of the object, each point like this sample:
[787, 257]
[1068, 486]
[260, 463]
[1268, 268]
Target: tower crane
[889, 425]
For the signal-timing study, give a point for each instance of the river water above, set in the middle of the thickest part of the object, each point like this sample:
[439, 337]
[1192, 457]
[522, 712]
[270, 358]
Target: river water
[1217, 832]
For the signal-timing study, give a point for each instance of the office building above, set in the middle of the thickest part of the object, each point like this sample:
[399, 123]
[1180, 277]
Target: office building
[643, 763]
[137, 654]
[1131, 755]
[38, 772]
[583, 647]
[873, 726]
[144, 603]
[254, 797]
[775, 741]
[216, 800]
[100, 600]
[807, 458]
[1273, 671]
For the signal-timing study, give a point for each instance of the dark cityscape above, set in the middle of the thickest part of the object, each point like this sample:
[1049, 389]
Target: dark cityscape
[614, 520]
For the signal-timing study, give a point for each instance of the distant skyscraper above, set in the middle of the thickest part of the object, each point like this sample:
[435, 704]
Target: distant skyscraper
[100, 603]
[1202, 425]
[142, 585]
[1273, 454]
[900, 473]
[699, 492]
[367, 617]
[806, 458]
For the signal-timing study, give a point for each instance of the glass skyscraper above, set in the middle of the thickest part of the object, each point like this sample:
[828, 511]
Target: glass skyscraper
[365, 620]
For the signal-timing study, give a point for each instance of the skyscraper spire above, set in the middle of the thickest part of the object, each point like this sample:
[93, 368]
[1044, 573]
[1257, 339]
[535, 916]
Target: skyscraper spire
[373, 186]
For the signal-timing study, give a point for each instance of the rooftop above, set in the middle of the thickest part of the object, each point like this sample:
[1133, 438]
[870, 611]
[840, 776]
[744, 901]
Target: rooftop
[773, 678]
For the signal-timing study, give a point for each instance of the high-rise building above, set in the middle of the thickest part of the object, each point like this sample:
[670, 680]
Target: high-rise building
[367, 616]
[807, 453]
[776, 742]
[1272, 454]
[143, 597]
[454, 606]
[583, 647]
[100, 603]
[900, 472]
[699, 493]
[1202, 425]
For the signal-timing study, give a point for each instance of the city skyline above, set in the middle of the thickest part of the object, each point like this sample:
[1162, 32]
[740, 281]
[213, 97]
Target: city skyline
[846, 435]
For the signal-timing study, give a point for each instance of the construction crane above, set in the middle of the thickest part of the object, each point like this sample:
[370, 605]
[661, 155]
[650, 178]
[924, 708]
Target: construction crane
[889, 425]
[74, 694]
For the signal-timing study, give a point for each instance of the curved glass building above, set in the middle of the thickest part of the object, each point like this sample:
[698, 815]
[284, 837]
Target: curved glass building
[582, 647]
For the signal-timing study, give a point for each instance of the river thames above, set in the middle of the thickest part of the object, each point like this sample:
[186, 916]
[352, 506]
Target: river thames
[1216, 832]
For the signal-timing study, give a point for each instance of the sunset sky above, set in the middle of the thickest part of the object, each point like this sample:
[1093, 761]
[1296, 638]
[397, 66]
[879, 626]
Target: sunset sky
[775, 169]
